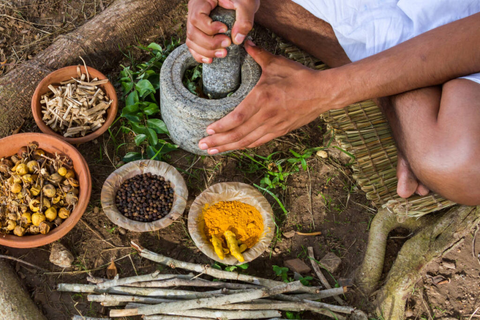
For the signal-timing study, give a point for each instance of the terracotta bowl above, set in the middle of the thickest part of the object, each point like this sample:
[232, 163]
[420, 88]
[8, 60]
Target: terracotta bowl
[65, 74]
[10, 145]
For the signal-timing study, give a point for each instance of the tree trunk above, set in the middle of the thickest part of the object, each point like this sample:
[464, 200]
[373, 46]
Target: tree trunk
[98, 41]
[15, 304]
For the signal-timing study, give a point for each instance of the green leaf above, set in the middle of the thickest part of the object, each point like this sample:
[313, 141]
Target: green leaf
[152, 154]
[127, 86]
[140, 138]
[151, 109]
[158, 125]
[144, 88]
[243, 266]
[295, 154]
[231, 268]
[155, 46]
[152, 137]
[130, 109]
[132, 98]
[132, 156]
[304, 164]
[138, 128]
[132, 118]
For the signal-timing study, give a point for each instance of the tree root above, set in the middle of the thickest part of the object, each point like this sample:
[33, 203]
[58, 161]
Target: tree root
[370, 272]
[436, 235]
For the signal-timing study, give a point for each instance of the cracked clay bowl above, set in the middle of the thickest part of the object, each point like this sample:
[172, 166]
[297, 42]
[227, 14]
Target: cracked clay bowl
[230, 191]
[64, 74]
[131, 169]
[51, 144]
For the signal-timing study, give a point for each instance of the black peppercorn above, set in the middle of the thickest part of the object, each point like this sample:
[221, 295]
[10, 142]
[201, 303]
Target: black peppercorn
[146, 197]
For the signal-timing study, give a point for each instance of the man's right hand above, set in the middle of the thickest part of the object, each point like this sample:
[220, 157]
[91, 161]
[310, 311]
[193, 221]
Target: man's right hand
[203, 38]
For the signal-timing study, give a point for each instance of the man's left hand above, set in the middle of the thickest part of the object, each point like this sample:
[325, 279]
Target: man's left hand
[287, 96]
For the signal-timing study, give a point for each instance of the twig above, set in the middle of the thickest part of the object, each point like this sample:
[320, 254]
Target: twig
[208, 302]
[86, 69]
[473, 245]
[191, 283]
[148, 277]
[320, 275]
[172, 263]
[116, 298]
[77, 317]
[473, 314]
[95, 232]
[24, 262]
[218, 314]
[308, 234]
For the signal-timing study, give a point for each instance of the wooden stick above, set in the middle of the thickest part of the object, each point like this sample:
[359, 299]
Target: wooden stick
[114, 298]
[77, 317]
[193, 283]
[208, 302]
[320, 275]
[323, 294]
[219, 314]
[148, 277]
[172, 263]
[167, 317]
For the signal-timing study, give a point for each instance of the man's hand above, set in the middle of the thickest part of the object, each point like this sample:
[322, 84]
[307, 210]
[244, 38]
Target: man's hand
[287, 96]
[203, 38]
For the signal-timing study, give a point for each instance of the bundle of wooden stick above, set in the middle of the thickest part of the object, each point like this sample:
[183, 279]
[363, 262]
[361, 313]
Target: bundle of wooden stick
[156, 296]
[77, 107]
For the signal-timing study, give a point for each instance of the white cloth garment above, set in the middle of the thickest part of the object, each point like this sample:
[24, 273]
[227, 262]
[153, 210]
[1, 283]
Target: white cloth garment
[367, 27]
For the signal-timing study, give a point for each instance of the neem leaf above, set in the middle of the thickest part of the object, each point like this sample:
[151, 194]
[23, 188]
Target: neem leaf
[144, 87]
[139, 138]
[132, 98]
[127, 86]
[157, 125]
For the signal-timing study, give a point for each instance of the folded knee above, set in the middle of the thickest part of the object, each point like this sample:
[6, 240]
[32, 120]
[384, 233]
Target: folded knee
[452, 173]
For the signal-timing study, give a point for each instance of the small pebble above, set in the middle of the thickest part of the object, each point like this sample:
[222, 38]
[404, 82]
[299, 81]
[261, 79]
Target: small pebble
[322, 154]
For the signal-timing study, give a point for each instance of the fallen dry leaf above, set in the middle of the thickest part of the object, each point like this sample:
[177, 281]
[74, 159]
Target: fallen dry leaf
[111, 270]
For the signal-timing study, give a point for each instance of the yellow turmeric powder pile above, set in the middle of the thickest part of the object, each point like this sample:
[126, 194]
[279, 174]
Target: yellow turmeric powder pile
[244, 220]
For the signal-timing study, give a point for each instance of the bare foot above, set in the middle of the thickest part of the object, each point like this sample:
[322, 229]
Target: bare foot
[408, 184]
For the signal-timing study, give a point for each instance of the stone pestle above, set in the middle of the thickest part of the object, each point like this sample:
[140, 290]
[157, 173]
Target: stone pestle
[222, 76]
[227, 81]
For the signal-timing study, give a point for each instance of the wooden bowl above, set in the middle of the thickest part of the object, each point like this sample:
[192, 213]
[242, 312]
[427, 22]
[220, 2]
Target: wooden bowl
[230, 191]
[10, 145]
[131, 169]
[64, 74]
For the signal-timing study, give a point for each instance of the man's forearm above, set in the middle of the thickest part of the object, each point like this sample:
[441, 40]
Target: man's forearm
[432, 58]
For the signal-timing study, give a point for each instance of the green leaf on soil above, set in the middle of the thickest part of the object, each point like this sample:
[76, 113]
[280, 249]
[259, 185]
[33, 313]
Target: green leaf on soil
[140, 138]
[158, 125]
[144, 88]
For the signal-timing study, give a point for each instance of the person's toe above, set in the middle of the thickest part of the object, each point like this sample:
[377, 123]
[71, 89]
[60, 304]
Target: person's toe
[422, 190]
[407, 182]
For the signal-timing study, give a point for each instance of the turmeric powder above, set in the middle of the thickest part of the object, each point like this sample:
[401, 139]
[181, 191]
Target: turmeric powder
[244, 220]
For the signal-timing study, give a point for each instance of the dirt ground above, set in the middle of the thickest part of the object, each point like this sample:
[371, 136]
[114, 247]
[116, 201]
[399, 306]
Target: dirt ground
[323, 198]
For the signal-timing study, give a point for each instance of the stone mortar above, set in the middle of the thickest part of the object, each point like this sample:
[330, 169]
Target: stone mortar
[186, 115]
[222, 76]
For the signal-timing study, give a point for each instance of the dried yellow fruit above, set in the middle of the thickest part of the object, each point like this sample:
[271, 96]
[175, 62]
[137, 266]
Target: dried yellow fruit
[33, 166]
[51, 214]
[38, 153]
[49, 190]
[46, 203]
[33, 229]
[64, 213]
[38, 218]
[55, 178]
[16, 187]
[70, 174]
[27, 178]
[19, 231]
[62, 171]
[45, 227]
[34, 205]
[56, 199]
[35, 190]
[71, 199]
[26, 218]
[11, 224]
[21, 169]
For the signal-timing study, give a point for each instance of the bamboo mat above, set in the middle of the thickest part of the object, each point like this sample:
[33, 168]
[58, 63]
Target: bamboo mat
[362, 130]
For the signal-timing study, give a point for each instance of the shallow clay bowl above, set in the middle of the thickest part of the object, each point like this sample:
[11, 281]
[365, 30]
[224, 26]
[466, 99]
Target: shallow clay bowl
[131, 169]
[230, 191]
[64, 74]
[10, 145]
